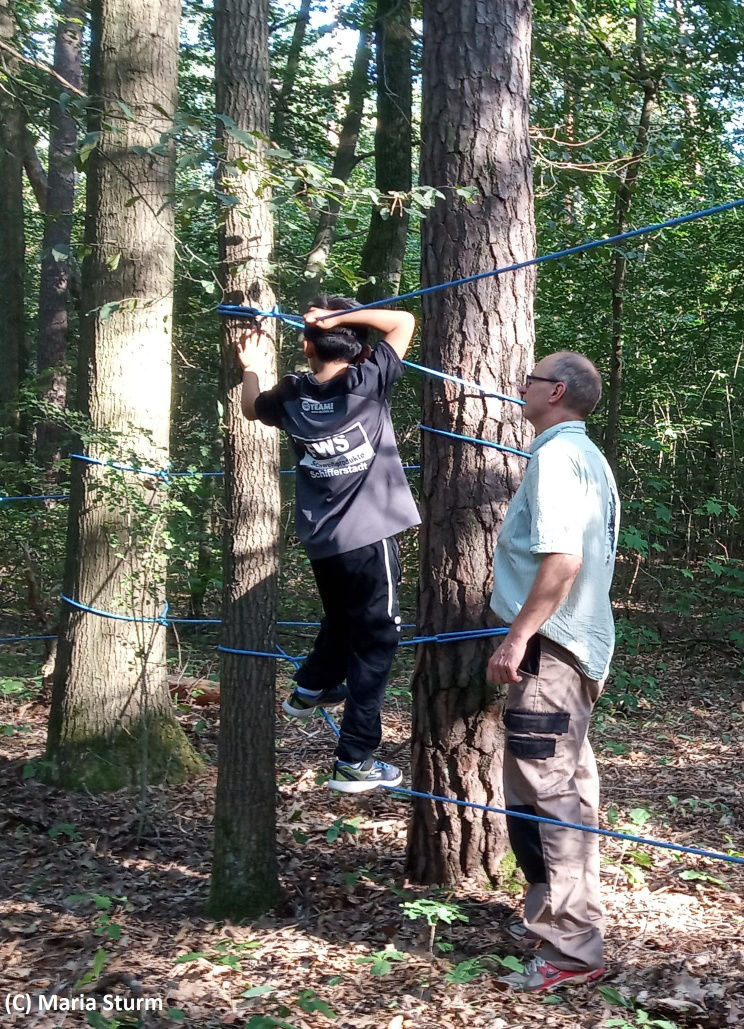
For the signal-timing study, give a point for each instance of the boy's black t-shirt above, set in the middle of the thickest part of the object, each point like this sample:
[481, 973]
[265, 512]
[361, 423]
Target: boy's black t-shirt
[351, 487]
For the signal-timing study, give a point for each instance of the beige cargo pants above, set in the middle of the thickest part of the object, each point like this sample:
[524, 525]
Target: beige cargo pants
[550, 770]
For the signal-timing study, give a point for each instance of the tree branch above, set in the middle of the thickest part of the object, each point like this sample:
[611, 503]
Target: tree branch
[42, 67]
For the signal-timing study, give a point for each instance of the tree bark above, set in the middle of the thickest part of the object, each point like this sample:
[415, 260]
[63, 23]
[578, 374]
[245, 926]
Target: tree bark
[55, 264]
[343, 165]
[12, 242]
[619, 262]
[385, 246]
[281, 108]
[112, 722]
[244, 875]
[475, 132]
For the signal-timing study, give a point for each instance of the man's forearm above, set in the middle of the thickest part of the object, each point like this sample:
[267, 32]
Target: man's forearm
[552, 584]
[397, 327]
[249, 392]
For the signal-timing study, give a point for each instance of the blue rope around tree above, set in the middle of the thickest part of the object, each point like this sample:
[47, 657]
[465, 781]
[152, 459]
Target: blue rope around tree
[611, 833]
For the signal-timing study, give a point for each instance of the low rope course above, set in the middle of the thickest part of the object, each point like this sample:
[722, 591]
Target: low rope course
[295, 321]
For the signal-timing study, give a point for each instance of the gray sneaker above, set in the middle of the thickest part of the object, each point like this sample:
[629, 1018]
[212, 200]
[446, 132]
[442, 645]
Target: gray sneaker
[299, 705]
[363, 776]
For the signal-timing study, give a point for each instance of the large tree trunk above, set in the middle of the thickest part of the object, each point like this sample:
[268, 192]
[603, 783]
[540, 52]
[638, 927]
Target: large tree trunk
[281, 108]
[343, 165]
[55, 264]
[475, 132]
[12, 242]
[244, 876]
[112, 722]
[385, 246]
[619, 263]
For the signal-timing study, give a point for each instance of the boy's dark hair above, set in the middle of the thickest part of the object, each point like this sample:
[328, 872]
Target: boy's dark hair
[341, 343]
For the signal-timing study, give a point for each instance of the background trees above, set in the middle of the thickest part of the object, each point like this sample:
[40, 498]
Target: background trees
[112, 721]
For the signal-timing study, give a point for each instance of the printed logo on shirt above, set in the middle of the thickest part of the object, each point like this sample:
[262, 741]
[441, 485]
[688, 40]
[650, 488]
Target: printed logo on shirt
[317, 406]
[344, 453]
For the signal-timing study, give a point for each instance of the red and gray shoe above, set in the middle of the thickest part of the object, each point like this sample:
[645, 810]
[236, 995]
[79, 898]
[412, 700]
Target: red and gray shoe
[541, 976]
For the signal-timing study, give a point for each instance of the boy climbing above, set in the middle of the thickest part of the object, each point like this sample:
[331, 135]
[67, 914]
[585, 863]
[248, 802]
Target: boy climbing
[352, 497]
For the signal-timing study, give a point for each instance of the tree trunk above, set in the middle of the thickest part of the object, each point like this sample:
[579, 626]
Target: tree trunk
[55, 264]
[12, 242]
[619, 263]
[385, 246]
[244, 876]
[475, 132]
[281, 108]
[112, 722]
[343, 165]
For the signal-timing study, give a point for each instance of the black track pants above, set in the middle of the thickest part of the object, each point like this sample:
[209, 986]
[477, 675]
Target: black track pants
[357, 640]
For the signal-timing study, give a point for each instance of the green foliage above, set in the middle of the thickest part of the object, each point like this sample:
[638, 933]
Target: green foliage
[381, 961]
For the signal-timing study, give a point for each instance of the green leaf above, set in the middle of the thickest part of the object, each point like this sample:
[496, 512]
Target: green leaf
[309, 1002]
[613, 996]
[61, 251]
[257, 991]
[175, 1014]
[99, 960]
[87, 146]
[112, 263]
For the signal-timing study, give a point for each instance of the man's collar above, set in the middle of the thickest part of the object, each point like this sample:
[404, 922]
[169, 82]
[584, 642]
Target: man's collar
[548, 434]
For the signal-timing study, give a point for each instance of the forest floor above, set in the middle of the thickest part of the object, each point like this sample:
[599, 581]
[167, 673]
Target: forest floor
[100, 897]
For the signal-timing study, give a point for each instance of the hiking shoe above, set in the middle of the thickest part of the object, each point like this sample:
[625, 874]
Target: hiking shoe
[518, 932]
[540, 976]
[363, 775]
[302, 705]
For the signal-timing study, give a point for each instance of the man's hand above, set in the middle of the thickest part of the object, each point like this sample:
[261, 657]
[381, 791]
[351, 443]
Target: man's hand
[332, 319]
[505, 661]
[247, 344]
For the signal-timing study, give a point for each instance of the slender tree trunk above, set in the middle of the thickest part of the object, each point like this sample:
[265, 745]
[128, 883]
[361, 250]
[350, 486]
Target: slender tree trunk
[475, 132]
[12, 242]
[385, 246]
[112, 722]
[244, 876]
[281, 108]
[619, 263]
[55, 263]
[343, 165]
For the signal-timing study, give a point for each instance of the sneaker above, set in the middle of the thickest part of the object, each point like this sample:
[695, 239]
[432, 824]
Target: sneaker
[302, 705]
[518, 932]
[363, 776]
[540, 976]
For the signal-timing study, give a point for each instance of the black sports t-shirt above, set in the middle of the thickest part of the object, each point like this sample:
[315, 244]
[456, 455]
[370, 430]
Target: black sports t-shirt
[351, 488]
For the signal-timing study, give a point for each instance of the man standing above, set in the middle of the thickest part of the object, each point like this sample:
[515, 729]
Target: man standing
[553, 567]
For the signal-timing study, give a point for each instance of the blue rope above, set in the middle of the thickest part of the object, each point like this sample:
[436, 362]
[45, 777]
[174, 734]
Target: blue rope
[463, 382]
[19, 639]
[261, 653]
[241, 311]
[714, 855]
[569, 251]
[162, 620]
[36, 496]
[472, 439]
[611, 833]
[162, 473]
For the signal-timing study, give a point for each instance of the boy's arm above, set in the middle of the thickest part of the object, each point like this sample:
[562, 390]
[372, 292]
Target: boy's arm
[246, 351]
[397, 327]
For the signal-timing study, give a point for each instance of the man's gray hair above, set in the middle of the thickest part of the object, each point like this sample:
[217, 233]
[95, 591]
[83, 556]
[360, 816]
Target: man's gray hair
[583, 381]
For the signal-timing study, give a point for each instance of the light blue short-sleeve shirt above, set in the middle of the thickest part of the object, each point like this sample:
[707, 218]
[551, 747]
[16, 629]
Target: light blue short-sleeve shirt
[567, 503]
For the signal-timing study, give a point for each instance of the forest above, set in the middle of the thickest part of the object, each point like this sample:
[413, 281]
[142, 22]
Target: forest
[171, 173]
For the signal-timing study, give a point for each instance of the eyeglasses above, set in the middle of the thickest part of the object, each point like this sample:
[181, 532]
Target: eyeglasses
[529, 379]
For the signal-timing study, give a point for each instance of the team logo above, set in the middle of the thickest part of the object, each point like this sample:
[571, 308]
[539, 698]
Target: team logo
[317, 407]
[343, 453]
